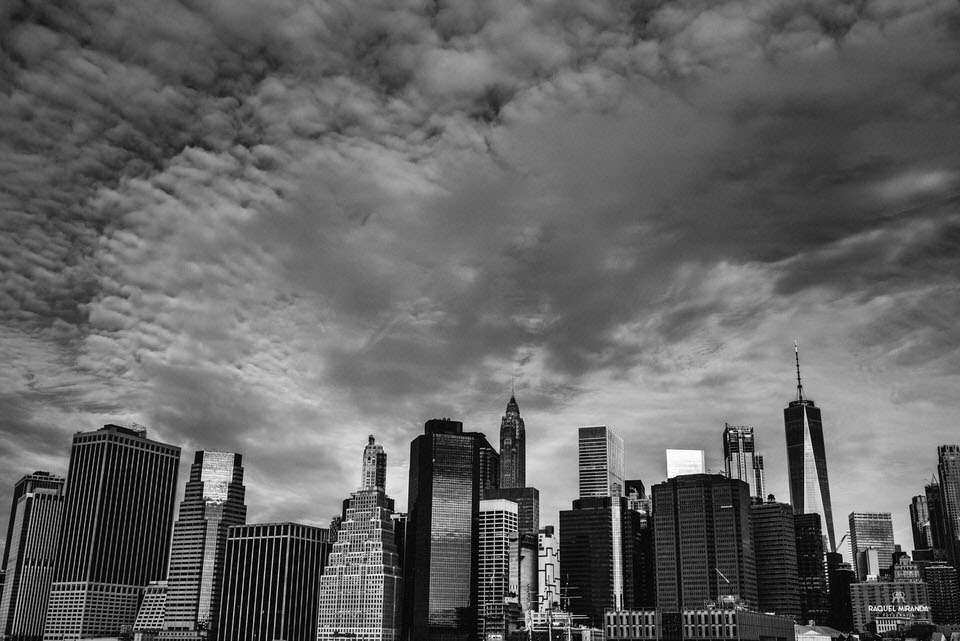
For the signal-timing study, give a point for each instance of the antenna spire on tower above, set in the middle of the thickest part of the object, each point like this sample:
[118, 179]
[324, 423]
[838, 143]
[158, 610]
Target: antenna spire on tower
[796, 349]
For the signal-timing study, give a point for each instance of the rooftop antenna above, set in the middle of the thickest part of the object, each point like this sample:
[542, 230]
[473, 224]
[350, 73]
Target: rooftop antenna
[796, 350]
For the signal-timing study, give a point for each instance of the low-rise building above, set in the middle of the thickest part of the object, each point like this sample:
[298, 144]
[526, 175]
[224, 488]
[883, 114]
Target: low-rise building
[902, 600]
[705, 624]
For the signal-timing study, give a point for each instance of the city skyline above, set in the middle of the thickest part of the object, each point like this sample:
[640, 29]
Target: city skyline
[268, 229]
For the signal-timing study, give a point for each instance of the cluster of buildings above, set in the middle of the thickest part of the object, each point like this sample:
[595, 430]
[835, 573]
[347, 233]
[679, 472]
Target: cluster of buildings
[99, 554]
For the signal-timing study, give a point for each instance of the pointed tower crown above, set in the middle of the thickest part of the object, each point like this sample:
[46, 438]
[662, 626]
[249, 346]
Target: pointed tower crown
[512, 407]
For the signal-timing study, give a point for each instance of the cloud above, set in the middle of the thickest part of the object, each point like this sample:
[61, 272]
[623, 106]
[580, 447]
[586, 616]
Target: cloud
[272, 228]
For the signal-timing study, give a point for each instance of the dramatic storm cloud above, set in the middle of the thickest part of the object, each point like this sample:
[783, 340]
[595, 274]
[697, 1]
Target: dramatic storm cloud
[277, 227]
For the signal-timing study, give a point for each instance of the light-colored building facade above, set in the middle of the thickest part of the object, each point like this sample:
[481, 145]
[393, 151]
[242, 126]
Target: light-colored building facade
[600, 462]
[29, 554]
[361, 586]
[706, 624]
[680, 462]
[213, 501]
[152, 611]
[548, 568]
[901, 600]
[497, 604]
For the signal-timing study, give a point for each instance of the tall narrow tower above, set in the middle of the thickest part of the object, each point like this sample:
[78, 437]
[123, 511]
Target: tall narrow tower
[601, 462]
[449, 468]
[212, 502]
[30, 554]
[374, 473]
[513, 447]
[740, 457]
[948, 466]
[807, 459]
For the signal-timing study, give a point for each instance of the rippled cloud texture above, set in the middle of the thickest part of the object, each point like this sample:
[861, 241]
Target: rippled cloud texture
[274, 227]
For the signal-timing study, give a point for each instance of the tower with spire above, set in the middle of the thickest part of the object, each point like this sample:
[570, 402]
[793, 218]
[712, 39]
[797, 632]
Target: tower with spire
[807, 459]
[513, 447]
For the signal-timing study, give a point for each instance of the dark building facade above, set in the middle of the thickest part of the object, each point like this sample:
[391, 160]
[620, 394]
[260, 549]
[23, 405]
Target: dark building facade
[704, 542]
[117, 521]
[271, 581]
[213, 501]
[944, 592]
[601, 557]
[449, 470]
[513, 447]
[811, 575]
[920, 523]
[807, 460]
[948, 467]
[774, 541]
[29, 555]
[842, 576]
[937, 518]
[740, 457]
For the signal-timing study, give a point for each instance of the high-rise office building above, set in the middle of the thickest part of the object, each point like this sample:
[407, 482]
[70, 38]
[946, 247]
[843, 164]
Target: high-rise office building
[841, 577]
[704, 542]
[513, 447]
[548, 569]
[811, 574]
[682, 462]
[599, 538]
[740, 459]
[29, 555]
[948, 467]
[117, 521]
[944, 592]
[373, 474]
[775, 546]
[871, 530]
[920, 523]
[449, 468]
[601, 462]
[498, 611]
[938, 519]
[271, 580]
[807, 460]
[213, 501]
[360, 590]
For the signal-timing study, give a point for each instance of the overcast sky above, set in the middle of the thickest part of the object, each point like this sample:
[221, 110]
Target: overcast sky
[277, 226]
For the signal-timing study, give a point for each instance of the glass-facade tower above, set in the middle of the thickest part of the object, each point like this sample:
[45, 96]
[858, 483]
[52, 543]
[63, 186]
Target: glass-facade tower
[871, 530]
[948, 466]
[807, 460]
[740, 457]
[448, 470]
[212, 502]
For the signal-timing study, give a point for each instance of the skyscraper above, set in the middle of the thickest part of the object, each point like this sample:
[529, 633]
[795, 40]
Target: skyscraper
[599, 540]
[807, 459]
[740, 459]
[29, 555]
[601, 462]
[811, 574]
[948, 466]
[360, 589]
[448, 470]
[939, 536]
[513, 447]
[118, 515]
[775, 545]
[497, 609]
[871, 530]
[213, 501]
[704, 542]
[944, 592]
[270, 582]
